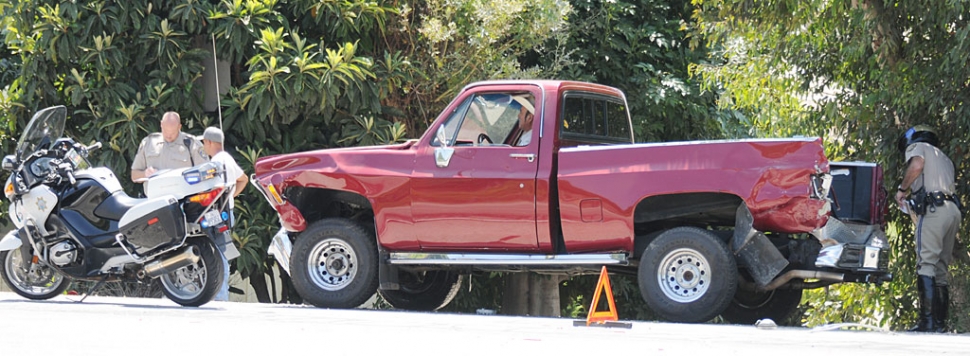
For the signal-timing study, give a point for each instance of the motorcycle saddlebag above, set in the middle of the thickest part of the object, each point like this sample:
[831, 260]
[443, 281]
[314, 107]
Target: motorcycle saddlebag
[153, 224]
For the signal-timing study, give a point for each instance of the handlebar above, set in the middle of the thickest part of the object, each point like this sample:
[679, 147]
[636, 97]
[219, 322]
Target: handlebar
[95, 146]
[64, 169]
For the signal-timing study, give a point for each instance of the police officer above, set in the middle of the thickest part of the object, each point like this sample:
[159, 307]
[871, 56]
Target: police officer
[929, 184]
[168, 149]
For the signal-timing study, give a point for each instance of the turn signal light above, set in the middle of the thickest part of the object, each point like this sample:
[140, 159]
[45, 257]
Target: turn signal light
[206, 198]
[8, 190]
[274, 193]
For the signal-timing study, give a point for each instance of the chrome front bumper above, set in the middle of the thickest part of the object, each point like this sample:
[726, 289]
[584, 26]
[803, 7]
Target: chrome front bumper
[281, 248]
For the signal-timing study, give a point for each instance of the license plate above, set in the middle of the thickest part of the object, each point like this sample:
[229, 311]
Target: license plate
[871, 258]
[213, 217]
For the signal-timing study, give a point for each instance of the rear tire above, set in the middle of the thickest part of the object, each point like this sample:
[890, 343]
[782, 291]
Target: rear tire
[427, 291]
[44, 283]
[195, 284]
[334, 264]
[687, 275]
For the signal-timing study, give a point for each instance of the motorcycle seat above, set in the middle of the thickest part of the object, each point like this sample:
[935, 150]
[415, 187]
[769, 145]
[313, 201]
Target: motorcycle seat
[116, 205]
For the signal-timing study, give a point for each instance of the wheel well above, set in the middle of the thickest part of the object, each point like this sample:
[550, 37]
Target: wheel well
[659, 213]
[316, 204]
[689, 209]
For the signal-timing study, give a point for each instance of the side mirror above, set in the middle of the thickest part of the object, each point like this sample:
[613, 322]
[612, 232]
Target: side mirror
[9, 163]
[442, 154]
[442, 137]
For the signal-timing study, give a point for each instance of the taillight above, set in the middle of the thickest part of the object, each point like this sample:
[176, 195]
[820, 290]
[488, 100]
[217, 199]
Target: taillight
[821, 184]
[206, 198]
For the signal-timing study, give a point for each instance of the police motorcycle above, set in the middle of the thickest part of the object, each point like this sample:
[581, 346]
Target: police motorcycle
[74, 221]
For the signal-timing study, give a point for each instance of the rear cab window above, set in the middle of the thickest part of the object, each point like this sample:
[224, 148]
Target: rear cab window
[593, 119]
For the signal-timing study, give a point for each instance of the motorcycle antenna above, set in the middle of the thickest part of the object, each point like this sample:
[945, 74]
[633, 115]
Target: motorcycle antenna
[215, 68]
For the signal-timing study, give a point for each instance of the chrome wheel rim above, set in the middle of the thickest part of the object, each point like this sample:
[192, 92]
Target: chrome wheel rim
[684, 275]
[38, 281]
[188, 282]
[332, 264]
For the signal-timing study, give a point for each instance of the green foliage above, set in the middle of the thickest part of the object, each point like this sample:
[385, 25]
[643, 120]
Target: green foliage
[640, 47]
[253, 228]
[857, 73]
[368, 131]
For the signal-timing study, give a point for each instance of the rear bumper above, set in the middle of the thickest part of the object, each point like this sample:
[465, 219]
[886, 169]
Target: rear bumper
[856, 248]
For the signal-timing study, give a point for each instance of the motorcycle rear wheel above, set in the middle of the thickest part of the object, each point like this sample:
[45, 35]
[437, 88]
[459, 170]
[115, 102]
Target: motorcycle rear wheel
[195, 284]
[43, 283]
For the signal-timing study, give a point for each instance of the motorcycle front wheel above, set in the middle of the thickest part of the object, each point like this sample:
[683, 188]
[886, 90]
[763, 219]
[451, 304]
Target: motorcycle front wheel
[38, 283]
[198, 283]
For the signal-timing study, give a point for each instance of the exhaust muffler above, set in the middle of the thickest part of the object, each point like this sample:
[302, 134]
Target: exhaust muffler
[187, 257]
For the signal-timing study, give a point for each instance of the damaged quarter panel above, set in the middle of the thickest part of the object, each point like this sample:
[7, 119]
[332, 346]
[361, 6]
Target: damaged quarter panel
[600, 187]
[378, 173]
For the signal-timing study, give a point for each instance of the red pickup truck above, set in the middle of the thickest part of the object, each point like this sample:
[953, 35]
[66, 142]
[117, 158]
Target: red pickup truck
[544, 176]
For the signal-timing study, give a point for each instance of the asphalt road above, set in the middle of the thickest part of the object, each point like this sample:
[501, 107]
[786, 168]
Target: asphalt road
[131, 326]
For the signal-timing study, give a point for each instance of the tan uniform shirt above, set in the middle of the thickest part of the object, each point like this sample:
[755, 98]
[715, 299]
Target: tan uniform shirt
[938, 172]
[155, 152]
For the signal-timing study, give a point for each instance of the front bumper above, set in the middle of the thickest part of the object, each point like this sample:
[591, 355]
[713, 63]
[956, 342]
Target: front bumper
[281, 248]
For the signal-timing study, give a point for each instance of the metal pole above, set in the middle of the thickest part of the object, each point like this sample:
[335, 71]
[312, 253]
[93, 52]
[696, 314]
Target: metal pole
[215, 68]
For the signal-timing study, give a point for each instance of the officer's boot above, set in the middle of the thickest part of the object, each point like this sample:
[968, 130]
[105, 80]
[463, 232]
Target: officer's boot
[941, 307]
[926, 291]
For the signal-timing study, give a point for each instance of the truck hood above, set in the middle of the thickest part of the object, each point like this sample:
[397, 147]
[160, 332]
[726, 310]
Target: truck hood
[323, 158]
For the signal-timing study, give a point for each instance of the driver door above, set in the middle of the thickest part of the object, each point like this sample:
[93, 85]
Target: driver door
[483, 195]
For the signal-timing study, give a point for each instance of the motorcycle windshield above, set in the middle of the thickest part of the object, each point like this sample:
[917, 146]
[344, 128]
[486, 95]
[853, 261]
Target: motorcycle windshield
[44, 128]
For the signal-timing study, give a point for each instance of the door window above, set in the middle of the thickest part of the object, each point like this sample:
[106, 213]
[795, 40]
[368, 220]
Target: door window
[491, 119]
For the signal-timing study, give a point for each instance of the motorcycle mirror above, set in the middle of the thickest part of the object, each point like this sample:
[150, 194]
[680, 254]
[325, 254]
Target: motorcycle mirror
[9, 163]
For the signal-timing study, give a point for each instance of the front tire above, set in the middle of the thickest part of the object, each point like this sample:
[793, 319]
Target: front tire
[335, 264]
[43, 283]
[687, 275]
[195, 284]
[425, 291]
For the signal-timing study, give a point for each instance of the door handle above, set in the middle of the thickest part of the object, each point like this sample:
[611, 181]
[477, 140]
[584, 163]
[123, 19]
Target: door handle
[528, 156]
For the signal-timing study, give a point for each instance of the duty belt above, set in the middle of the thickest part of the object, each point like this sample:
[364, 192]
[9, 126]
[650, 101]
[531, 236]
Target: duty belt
[931, 200]
[935, 199]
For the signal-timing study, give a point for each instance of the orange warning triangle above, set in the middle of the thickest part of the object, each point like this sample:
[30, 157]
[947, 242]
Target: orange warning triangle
[602, 316]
